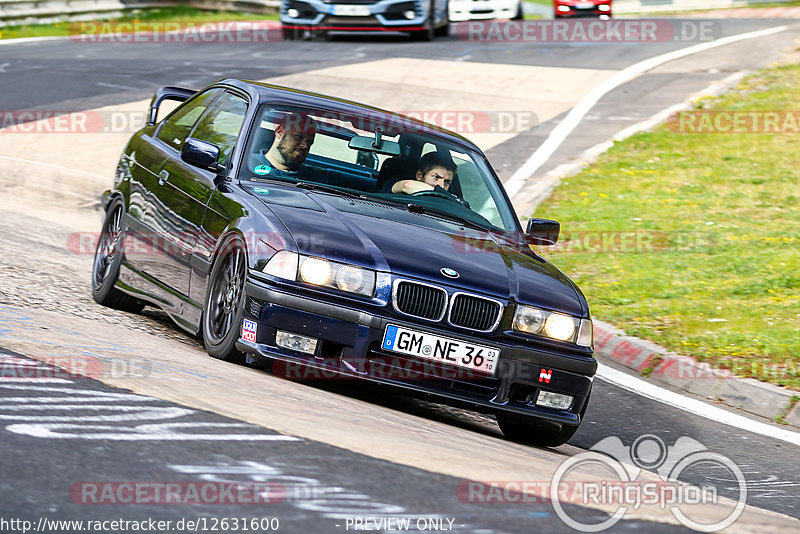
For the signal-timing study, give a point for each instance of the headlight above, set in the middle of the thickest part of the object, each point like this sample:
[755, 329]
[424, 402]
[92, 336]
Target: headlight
[559, 326]
[350, 279]
[315, 271]
[321, 272]
[554, 325]
[529, 320]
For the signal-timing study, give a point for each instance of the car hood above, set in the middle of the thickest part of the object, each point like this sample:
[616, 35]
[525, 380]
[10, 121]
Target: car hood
[418, 246]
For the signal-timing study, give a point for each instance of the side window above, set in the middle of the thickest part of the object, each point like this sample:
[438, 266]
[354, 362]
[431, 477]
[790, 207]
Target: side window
[222, 123]
[177, 126]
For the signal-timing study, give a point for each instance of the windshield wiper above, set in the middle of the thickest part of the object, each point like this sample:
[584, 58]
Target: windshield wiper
[418, 208]
[326, 189]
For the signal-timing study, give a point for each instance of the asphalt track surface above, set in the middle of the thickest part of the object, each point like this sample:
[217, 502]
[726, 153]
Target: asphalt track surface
[36, 473]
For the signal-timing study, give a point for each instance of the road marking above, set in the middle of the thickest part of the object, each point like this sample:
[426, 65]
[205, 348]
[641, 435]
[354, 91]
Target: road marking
[694, 406]
[514, 184]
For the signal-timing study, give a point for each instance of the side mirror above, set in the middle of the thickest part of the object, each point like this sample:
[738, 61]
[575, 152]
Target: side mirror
[542, 231]
[166, 93]
[200, 154]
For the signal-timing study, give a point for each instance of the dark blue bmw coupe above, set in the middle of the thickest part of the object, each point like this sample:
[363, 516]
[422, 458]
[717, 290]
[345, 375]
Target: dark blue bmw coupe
[337, 239]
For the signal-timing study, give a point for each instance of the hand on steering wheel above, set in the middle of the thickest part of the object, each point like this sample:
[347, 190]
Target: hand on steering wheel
[441, 193]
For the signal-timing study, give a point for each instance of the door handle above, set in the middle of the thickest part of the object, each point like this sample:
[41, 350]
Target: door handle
[163, 176]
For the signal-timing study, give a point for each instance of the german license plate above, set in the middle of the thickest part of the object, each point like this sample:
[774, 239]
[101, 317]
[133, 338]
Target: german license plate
[441, 349]
[584, 5]
[349, 10]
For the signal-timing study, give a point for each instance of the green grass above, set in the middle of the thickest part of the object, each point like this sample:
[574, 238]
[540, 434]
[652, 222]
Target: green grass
[182, 14]
[720, 279]
[548, 3]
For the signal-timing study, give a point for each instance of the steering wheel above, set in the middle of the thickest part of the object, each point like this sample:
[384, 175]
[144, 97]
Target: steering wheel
[441, 193]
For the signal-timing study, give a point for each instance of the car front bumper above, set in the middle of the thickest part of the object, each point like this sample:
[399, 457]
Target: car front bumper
[463, 10]
[380, 16]
[350, 346]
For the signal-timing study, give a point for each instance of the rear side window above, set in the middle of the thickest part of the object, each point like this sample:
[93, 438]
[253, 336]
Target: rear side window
[175, 128]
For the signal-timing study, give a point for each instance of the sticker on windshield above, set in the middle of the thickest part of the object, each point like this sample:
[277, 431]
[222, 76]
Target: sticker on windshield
[261, 191]
[262, 169]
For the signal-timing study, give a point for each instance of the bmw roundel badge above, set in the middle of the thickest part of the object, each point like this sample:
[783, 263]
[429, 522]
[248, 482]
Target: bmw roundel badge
[448, 272]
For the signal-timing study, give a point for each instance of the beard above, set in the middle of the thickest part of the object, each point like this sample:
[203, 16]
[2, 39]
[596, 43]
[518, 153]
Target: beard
[291, 158]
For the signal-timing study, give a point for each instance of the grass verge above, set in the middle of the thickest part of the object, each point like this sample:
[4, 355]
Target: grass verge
[181, 14]
[693, 240]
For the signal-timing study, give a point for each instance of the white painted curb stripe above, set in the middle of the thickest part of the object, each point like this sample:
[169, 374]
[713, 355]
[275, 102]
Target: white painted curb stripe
[694, 406]
[576, 114]
[21, 40]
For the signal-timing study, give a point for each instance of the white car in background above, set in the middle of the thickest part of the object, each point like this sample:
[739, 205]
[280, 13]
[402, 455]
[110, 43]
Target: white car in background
[461, 10]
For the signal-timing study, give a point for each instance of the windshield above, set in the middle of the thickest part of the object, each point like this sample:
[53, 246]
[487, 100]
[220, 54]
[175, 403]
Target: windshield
[358, 155]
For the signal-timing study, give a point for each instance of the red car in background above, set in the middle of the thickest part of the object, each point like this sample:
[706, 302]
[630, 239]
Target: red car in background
[582, 8]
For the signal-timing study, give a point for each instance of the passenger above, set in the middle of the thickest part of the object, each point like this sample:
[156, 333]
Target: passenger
[294, 136]
[433, 170]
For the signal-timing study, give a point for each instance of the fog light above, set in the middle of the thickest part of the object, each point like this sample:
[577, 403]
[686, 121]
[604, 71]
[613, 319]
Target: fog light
[288, 340]
[409, 15]
[293, 13]
[604, 7]
[556, 401]
[605, 17]
[563, 9]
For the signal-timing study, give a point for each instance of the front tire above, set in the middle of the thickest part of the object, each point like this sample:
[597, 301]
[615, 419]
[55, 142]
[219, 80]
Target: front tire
[107, 261]
[444, 30]
[536, 432]
[428, 33]
[289, 34]
[222, 315]
[520, 15]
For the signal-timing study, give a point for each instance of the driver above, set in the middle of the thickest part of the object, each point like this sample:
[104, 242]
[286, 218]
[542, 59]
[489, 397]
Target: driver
[433, 170]
[294, 136]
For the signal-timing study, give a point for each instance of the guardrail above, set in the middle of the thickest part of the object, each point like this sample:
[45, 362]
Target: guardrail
[14, 12]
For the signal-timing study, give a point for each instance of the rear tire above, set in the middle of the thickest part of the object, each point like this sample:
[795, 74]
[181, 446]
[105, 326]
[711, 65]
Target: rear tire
[107, 261]
[222, 315]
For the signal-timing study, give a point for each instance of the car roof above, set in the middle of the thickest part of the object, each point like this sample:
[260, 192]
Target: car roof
[264, 92]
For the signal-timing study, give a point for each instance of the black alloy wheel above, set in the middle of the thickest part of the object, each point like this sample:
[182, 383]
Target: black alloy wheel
[107, 261]
[222, 315]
